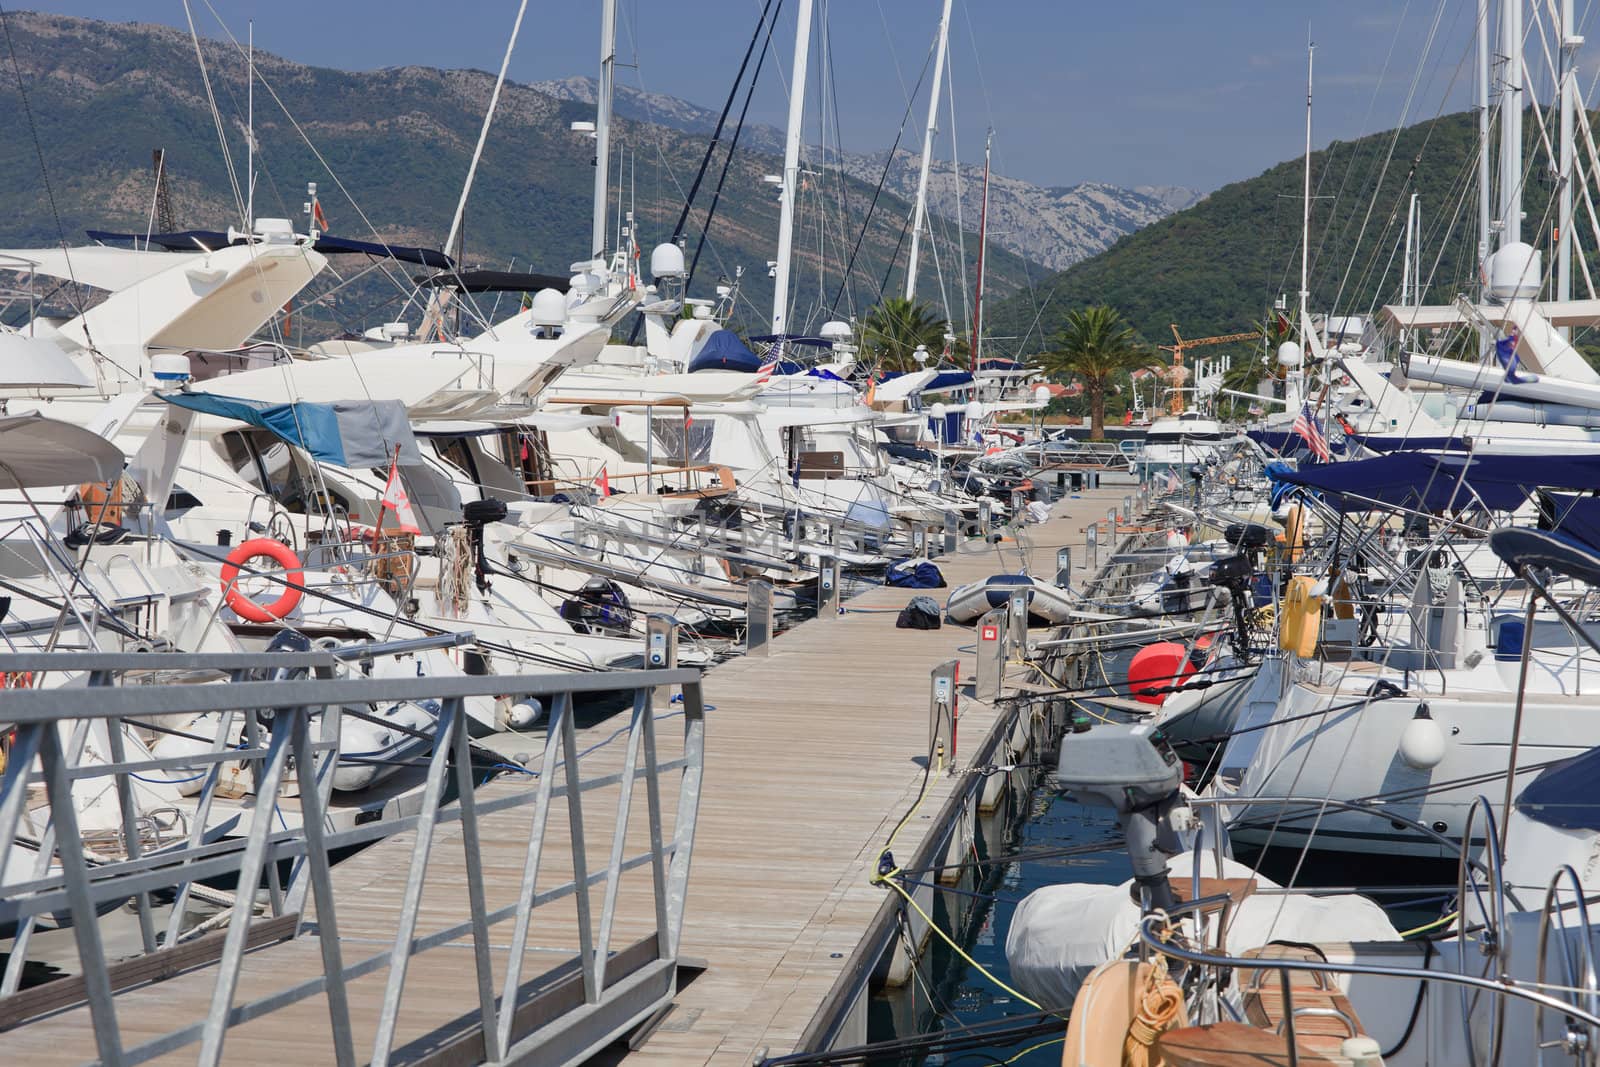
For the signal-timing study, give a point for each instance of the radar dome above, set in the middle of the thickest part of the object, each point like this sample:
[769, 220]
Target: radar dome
[835, 331]
[549, 308]
[1289, 354]
[666, 261]
[1515, 272]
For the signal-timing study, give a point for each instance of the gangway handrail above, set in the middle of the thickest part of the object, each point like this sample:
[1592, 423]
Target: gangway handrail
[618, 988]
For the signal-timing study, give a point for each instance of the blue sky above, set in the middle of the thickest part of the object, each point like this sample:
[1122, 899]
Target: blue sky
[1132, 93]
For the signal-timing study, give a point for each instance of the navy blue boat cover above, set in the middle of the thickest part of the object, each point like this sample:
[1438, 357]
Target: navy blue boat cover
[724, 351]
[1435, 481]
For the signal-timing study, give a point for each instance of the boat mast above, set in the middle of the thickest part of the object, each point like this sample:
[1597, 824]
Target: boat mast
[434, 315]
[1485, 212]
[250, 130]
[1511, 125]
[920, 214]
[602, 123]
[1305, 211]
[791, 169]
[983, 242]
[1567, 86]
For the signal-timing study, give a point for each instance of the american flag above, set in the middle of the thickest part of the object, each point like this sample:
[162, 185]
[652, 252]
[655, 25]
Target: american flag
[766, 370]
[1307, 427]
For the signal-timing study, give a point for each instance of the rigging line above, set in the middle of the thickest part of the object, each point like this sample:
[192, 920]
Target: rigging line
[844, 190]
[216, 116]
[727, 162]
[1394, 141]
[1433, 126]
[405, 288]
[1366, 120]
[44, 173]
[878, 192]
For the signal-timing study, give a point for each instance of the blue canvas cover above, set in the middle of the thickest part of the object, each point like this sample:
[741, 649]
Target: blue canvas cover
[724, 351]
[348, 433]
[914, 574]
[1436, 481]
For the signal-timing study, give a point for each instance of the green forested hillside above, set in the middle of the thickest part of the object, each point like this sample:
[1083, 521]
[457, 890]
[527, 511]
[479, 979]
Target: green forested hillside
[394, 147]
[1215, 267]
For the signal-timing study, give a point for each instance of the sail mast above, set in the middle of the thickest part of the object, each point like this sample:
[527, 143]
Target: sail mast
[1511, 125]
[250, 131]
[602, 123]
[976, 346]
[1569, 94]
[1305, 209]
[920, 214]
[791, 169]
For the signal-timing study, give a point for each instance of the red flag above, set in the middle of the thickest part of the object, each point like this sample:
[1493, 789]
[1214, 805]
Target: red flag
[318, 219]
[603, 482]
[1127, 418]
[396, 499]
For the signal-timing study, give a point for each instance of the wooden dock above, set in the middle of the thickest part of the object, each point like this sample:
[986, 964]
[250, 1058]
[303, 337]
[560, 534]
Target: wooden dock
[812, 754]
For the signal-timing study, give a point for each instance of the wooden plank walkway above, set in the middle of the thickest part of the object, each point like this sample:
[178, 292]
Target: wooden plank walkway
[812, 754]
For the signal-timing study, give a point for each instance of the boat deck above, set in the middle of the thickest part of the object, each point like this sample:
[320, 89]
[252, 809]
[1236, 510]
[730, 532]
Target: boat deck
[812, 754]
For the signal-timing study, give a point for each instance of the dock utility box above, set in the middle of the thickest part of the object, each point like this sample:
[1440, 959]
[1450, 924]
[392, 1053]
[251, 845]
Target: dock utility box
[820, 465]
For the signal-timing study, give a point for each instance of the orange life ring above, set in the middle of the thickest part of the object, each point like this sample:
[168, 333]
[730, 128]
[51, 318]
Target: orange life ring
[242, 605]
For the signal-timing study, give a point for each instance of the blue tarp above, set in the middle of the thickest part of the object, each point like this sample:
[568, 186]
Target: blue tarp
[1578, 517]
[1435, 481]
[914, 574]
[349, 433]
[724, 351]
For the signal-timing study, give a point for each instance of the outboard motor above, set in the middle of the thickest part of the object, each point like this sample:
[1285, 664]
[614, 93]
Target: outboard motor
[477, 514]
[1234, 573]
[1132, 770]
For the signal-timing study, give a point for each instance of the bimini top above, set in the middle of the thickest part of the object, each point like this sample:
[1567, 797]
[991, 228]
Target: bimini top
[36, 452]
[211, 240]
[1521, 547]
[1435, 481]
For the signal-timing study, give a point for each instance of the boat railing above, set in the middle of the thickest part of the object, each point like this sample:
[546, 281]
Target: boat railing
[291, 731]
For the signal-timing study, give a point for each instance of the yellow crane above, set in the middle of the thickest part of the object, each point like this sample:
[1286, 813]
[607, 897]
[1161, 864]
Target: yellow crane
[1180, 345]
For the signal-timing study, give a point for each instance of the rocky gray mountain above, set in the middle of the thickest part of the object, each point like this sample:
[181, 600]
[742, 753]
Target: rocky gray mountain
[1053, 226]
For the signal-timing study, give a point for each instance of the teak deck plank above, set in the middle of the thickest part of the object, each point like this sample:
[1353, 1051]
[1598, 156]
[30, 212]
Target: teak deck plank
[812, 754]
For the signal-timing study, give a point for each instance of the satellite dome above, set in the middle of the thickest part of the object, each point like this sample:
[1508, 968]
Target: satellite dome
[1289, 354]
[1515, 272]
[666, 261]
[549, 308]
[835, 331]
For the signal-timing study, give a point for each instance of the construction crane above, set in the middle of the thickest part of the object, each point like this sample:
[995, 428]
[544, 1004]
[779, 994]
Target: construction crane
[1177, 373]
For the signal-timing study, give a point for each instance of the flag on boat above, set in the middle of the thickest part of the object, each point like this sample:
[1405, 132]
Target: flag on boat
[602, 482]
[318, 219]
[766, 371]
[396, 499]
[1308, 428]
[1505, 350]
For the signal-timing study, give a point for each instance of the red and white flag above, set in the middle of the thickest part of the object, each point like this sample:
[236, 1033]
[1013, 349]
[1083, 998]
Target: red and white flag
[318, 219]
[766, 371]
[602, 482]
[396, 499]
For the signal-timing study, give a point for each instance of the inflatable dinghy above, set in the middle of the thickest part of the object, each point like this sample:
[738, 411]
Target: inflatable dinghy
[1047, 604]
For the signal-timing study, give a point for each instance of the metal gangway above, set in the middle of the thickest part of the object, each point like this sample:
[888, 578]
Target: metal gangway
[584, 991]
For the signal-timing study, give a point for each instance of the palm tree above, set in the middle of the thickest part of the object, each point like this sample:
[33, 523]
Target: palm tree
[893, 330]
[1095, 346]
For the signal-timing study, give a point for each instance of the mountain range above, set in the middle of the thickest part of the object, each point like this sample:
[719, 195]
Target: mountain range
[1055, 227]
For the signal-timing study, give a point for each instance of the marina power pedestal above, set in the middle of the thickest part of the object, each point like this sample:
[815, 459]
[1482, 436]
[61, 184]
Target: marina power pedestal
[919, 540]
[1017, 620]
[827, 587]
[1091, 545]
[758, 617]
[1019, 505]
[990, 677]
[1064, 567]
[660, 642]
[952, 529]
[943, 714]
[985, 516]
[1127, 510]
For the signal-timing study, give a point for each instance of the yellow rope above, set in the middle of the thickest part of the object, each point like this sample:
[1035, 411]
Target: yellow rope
[1429, 926]
[888, 880]
[1160, 1006]
[1033, 1048]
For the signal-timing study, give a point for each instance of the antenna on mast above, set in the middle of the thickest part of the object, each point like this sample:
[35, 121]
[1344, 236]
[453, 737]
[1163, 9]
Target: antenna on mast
[250, 131]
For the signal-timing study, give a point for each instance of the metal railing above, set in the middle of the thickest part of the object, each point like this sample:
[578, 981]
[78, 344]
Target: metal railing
[558, 1016]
